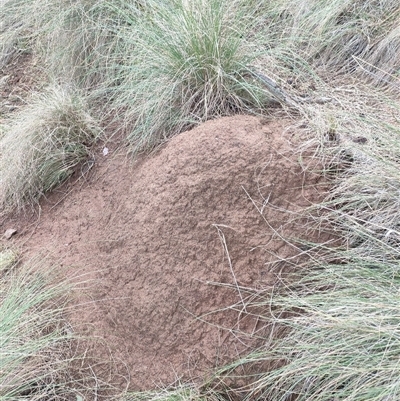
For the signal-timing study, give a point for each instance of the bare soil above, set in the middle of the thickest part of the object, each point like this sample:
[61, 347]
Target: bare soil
[167, 244]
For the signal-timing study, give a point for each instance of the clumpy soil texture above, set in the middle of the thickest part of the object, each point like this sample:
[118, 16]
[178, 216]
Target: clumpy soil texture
[165, 243]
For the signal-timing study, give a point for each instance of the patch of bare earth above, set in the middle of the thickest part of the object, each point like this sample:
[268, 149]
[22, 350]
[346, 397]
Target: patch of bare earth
[153, 237]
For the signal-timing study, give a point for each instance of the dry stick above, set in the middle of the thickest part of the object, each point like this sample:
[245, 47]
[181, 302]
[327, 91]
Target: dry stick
[225, 246]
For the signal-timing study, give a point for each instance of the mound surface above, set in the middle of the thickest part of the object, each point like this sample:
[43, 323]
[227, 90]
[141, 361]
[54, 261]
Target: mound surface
[156, 236]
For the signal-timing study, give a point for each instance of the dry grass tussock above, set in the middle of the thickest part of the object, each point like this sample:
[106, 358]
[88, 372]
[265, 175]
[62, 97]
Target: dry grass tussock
[352, 37]
[41, 147]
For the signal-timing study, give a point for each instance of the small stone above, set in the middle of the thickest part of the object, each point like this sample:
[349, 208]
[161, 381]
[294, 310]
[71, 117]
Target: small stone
[10, 232]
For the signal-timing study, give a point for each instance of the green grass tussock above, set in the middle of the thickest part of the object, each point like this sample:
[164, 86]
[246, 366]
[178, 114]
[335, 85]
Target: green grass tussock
[83, 40]
[42, 146]
[24, 24]
[366, 199]
[72, 40]
[188, 62]
[14, 24]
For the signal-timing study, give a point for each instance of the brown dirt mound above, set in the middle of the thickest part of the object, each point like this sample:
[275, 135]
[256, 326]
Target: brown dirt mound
[156, 234]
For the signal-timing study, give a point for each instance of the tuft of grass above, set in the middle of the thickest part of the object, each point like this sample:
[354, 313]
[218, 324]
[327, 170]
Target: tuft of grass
[187, 62]
[365, 202]
[350, 37]
[13, 30]
[42, 146]
[23, 26]
[83, 40]
[72, 41]
[343, 342]
[34, 337]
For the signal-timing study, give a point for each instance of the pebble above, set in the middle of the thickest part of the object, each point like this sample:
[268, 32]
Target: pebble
[10, 232]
